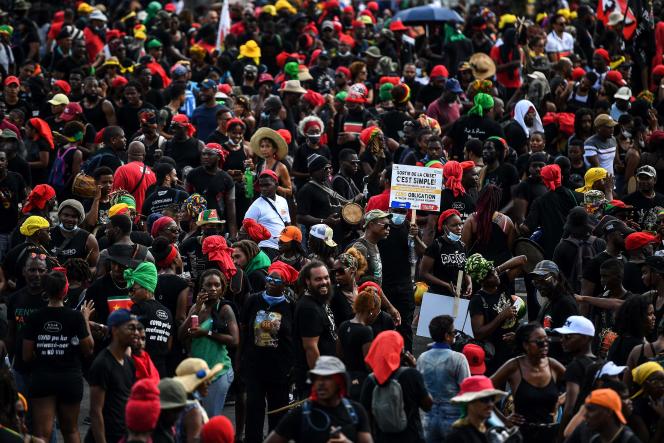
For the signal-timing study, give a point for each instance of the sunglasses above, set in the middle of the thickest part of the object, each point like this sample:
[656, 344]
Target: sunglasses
[541, 343]
[339, 271]
[174, 230]
[274, 280]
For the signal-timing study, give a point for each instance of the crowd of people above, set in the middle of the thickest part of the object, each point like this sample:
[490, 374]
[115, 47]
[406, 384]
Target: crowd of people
[197, 234]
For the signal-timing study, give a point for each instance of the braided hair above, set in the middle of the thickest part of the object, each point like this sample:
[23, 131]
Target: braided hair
[487, 204]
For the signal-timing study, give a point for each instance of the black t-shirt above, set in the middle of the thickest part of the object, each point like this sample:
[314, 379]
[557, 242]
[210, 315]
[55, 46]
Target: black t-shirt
[414, 391]
[102, 213]
[529, 189]
[463, 203]
[396, 270]
[158, 323]
[552, 315]
[448, 259]
[313, 319]
[517, 136]
[341, 307]
[184, 152]
[466, 434]
[162, 197]
[591, 270]
[269, 338]
[300, 160]
[549, 212]
[489, 306]
[108, 157]
[472, 126]
[353, 336]
[20, 306]
[311, 200]
[107, 297]
[213, 187]
[645, 209]
[57, 333]
[582, 434]
[504, 176]
[632, 280]
[168, 289]
[575, 372]
[295, 426]
[382, 323]
[116, 380]
[12, 192]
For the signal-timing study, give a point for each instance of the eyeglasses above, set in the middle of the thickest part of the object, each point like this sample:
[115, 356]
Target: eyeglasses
[174, 230]
[274, 280]
[542, 343]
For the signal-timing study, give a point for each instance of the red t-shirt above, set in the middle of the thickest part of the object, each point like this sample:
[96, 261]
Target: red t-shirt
[503, 77]
[127, 177]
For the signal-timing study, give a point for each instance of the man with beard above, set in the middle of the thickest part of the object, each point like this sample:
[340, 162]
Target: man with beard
[205, 115]
[322, 74]
[98, 111]
[12, 192]
[215, 185]
[343, 183]
[314, 327]
[600, 149]
[68, 240]
[645, 199]
[35, 229]
[165, 193]
[21, 304]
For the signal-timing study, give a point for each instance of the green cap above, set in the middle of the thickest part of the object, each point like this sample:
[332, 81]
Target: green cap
[154, 43]
[375, 214]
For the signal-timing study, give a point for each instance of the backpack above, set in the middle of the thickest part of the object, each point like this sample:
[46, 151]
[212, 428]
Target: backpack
[89, 166]
[56, 177]
[387, 405]
[585, 251]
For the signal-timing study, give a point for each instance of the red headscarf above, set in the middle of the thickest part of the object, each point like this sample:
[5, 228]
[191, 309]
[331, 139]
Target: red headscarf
[445, 215]
[467, 164]
[313, 98]
[551, 176]
[43, 129]
[38, 198]
[285, 133]
[288, 273]
[184, 121]
[218, 251]
[220, 151]
[166, 262]
[235, 121]
[255, 230]
[160, 224]
[453, 171]
[384, 356]
[370, 284]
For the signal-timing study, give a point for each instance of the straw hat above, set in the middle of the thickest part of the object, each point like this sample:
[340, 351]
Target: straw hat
[482, 66]
[270, 134]
[194, 371]
[292, 86]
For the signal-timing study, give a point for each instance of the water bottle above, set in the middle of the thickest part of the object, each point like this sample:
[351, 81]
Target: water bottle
[248, 183]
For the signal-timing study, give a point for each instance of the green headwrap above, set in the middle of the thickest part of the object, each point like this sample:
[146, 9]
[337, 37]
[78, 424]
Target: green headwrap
[145, 275]
[292, 70]
[478, 267]
[151, 10]
[261, 261]
[385, 92]
[341, 96]
[482, 103]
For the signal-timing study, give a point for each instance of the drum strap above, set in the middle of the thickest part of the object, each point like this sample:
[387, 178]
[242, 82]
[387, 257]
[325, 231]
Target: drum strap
[332, 193]
[275, 209]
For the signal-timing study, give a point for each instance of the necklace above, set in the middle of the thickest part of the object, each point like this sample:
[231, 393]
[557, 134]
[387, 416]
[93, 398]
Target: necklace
[117, 286]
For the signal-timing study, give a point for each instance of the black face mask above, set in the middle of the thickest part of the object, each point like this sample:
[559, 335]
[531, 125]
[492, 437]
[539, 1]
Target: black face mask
[313, 139]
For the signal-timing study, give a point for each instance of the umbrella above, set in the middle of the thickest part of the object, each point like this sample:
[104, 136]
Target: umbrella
[428, 14]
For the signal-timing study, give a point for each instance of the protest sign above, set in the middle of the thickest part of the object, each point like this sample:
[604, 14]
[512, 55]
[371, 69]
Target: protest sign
[416, 187]
[434, 305]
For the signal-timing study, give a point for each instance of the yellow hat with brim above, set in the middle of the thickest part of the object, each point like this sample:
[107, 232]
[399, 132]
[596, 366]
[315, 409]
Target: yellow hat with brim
[250, 50]
[592, 175]
[273, 136]
[192, 372]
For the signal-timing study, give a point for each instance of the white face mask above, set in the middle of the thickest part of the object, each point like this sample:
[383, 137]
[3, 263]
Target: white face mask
[74, 229]
[454, 237]
[398, 219]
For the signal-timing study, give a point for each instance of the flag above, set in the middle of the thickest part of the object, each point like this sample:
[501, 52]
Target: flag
[606, 7]
[224, 24]
[119, 302]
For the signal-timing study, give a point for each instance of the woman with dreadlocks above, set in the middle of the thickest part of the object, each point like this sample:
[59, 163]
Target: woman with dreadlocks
[487, 231]
[79, 277]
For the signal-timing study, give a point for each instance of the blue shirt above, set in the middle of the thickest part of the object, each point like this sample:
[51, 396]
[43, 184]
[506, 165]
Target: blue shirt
[443, 371]
[204, 119]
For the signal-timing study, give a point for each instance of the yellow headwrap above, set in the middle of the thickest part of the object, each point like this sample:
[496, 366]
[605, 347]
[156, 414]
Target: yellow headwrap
[33, 224]
[118, 209]
[540, 16]
[506, 19]
[641, 373]
[84, 8]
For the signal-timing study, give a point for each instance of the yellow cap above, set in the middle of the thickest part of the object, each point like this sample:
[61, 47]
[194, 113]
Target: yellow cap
[84, 8]
[506, 19]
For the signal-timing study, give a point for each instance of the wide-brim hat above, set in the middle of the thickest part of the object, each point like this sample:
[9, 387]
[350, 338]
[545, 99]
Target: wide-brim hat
[270, 134]
[476, 387]
[191, 372]
[532, 250]
[482, 66]
[293, 86]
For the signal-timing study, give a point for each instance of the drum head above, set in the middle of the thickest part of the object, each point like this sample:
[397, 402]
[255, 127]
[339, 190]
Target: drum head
[352, 213]
[533, 252]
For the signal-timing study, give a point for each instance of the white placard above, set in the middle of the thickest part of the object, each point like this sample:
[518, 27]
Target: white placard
[416, 187]
[436, 304]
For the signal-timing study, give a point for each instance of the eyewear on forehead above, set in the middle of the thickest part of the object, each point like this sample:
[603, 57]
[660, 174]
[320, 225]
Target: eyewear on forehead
[274, 280]
[208, 151]
[39, 256]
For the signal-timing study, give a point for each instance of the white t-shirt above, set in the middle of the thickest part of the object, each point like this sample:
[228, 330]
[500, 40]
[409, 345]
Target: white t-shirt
[557, 45]
[261, 211]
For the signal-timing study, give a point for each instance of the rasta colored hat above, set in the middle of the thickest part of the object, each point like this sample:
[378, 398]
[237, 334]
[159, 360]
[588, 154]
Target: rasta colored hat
[272, 135]
[478, 267]
[400, 93]
[209, 217]
[368, 133]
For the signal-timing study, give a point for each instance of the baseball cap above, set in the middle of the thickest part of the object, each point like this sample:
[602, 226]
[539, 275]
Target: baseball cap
[179, 70]
[617, 226]
[172, 394]
[604, 120]
[609, 399]
[638, 240]
[375, 214]
[475, 356]
[577, 324]
[439, 71]
[70, 112]
[120, 317]
[647, 170]
[291, 233]
[623, 93]
[265, 77]
[12, 79]
[323, 232]
[610, 369]
[270, 173]
[327, 365]
[59, 100]
[545, 267]
[208, 84]
[327, 24]
[615, 77]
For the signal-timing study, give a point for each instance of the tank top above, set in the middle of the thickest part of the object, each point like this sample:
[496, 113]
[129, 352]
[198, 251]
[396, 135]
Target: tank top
[95, 116]
[535, 404]
[64, 248]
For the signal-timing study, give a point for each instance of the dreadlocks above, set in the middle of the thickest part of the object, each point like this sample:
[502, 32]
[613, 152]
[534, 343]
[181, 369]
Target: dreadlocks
[487, 204]
[78, 270]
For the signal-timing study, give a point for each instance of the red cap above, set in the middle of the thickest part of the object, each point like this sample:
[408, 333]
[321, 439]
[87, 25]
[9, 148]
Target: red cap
[658, 71]
[71, 111]
[119, 82]
[577, 73]
[344, 70]
[615, 77]
[439, 71]
[358, 24]
[349, 10]
[638, 240]
[11, 80]
[269, 173]
[604, 54]
[397, 25]
[372, 6]
[619, 204]
[225, 88]
[475, 356]
[265, 77]
[63, 85]
[170, 7]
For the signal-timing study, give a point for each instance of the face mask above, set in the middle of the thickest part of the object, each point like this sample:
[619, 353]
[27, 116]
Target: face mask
[313, 139]
[453, 237]
[398, 219]
[75, 228]
[418, 72]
